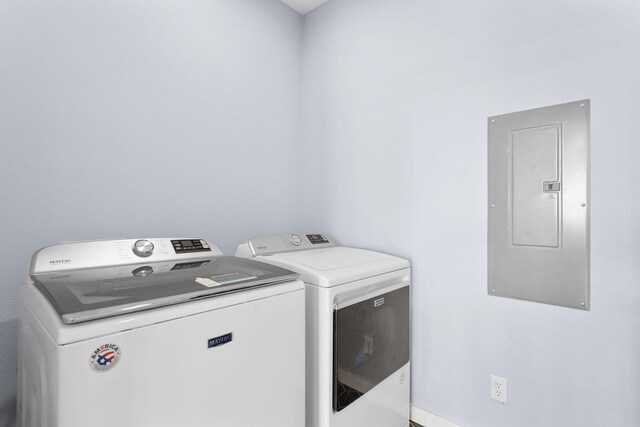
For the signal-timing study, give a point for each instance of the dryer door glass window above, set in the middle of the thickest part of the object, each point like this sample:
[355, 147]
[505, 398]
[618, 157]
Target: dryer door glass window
[370, 342]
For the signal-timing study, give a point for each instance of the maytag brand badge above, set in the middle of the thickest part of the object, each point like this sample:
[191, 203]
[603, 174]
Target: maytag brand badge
[378, 302]
[105, 358]
[222, 339]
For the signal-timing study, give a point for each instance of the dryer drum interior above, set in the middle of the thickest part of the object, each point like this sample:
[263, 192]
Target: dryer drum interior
[370, 342]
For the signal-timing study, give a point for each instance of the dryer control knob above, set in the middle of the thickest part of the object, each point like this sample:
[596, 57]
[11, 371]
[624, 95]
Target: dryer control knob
[295, 239]
[143, 248]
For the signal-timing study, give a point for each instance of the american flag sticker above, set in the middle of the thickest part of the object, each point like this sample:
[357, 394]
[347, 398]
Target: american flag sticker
[105, 357]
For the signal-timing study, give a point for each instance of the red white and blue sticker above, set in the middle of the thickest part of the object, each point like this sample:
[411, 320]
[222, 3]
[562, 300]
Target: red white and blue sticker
[105, 357]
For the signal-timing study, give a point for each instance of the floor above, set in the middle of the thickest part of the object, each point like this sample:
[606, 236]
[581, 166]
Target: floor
[414, 424]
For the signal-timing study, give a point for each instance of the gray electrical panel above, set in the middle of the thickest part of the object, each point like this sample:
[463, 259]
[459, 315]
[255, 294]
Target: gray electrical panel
[538, 212]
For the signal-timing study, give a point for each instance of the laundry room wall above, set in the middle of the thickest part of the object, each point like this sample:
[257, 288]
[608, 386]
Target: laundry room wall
[396, 99]
[142, 118]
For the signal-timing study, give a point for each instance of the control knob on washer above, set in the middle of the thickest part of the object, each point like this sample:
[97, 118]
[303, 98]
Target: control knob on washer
[295, 239]
[143, 248]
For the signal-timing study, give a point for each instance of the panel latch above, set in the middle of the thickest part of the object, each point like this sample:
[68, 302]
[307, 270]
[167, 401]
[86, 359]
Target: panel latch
[551, 187]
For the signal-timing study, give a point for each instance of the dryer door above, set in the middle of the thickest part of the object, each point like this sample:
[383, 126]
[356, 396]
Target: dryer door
[370, 342]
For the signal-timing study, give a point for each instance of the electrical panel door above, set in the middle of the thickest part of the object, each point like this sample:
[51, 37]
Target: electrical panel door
[538, 213]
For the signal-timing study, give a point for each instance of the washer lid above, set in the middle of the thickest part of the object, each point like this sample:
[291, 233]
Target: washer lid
[337, 265]
[88, 294]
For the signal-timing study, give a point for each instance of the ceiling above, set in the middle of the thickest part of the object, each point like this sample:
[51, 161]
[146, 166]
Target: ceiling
[303, 6]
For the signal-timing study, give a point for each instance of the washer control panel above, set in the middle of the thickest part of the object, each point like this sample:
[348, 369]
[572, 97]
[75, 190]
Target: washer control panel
[190, 245]
[122, 252]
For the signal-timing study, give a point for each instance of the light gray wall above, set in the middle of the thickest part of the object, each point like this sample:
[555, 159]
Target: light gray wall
[396, 97]
[142, 118]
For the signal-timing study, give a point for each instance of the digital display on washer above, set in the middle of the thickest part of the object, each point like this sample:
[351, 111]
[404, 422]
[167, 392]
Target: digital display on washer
[188, 246]
[317, 238]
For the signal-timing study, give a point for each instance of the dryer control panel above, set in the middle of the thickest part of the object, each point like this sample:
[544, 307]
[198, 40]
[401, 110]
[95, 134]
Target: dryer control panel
[282, 243]
[317, 239]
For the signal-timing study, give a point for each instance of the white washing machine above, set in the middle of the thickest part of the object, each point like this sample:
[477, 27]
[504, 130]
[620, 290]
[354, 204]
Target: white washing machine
[159, 332]
[358, 320]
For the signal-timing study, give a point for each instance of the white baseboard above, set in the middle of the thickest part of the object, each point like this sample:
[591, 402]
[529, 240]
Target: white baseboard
[427, 419]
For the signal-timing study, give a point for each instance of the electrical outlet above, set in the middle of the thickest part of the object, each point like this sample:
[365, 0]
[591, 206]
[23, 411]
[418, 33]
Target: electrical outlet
[499, 389]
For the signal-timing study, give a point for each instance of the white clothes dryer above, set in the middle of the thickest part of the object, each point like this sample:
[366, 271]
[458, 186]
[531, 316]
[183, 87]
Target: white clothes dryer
[159, 332]
[358, 328]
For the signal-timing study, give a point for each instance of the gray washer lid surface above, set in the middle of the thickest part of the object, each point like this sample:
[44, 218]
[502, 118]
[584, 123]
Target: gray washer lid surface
[82, 295]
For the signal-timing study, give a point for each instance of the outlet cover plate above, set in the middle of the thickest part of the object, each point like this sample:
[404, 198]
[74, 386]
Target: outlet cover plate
[499, 389]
